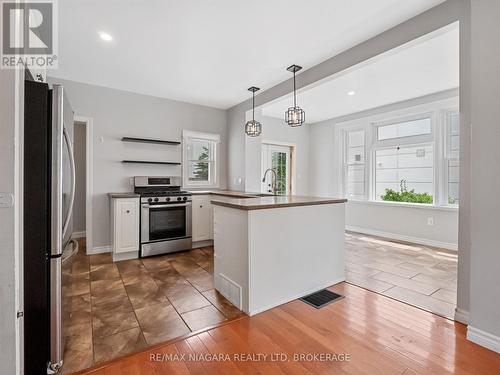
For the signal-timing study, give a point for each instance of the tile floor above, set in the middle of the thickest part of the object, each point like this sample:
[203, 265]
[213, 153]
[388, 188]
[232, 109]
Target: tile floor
[113, 309]
[415, 274]
[116, 308]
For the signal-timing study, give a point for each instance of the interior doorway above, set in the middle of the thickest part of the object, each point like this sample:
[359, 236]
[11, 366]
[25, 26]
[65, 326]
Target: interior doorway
[279, 159]
[79, 210]
[83, 149]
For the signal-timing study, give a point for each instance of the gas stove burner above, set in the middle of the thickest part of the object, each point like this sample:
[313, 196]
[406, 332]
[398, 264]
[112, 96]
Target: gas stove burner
[163, 193]
[158, 190]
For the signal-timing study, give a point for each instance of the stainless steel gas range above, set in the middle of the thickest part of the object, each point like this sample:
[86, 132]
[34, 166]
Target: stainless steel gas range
[165, 215]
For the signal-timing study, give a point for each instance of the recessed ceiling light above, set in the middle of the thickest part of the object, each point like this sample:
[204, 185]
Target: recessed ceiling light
[351, 93]
[105, 36]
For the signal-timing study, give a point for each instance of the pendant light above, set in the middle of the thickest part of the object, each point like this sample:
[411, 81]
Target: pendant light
[253, 128]
[294, 116]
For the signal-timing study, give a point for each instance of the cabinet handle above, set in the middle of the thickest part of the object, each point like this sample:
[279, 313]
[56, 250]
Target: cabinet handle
[128, 211]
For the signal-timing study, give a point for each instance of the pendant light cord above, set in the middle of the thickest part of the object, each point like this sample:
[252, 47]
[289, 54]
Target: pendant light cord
[294, 92]
[253, 106]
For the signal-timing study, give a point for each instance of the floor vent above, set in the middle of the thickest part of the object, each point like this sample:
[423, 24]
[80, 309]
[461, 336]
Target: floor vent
[321, 298]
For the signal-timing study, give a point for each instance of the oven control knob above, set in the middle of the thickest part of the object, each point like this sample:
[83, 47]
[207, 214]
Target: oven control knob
[156, 199]
[167, 199]
[150, 200]
[185, 198]
[179, 198]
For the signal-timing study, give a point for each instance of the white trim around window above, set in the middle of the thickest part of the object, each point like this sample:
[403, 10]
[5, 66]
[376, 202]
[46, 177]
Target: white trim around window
[210, 173]
[439, 138]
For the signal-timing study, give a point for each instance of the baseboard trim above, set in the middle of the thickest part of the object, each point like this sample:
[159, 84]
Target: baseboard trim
[401, 237]
[483, 338]
[297, 296]
[205, 243]
[76, 235]
[99, 250]
[462, 316]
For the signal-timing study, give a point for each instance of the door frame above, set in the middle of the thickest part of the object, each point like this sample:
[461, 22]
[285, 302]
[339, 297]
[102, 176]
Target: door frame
[89, 177]
[293, 157]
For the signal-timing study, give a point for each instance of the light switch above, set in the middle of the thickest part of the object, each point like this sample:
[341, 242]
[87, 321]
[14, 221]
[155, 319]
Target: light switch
[6, 200]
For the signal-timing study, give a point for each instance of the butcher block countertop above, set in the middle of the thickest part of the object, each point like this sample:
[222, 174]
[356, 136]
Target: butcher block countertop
[266, 202]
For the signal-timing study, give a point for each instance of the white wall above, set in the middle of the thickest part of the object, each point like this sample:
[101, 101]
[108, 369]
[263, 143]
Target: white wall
[485, 179]
[80, 207]
[119, 113]
[276, 130]
[11, 108]
[379, 218]
[404, 223]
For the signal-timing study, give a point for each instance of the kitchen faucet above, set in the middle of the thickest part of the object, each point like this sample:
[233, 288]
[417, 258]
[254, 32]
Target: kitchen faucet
[273, 181]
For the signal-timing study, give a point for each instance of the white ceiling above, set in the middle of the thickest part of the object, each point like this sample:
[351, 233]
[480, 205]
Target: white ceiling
[210, 52]
[424, 66]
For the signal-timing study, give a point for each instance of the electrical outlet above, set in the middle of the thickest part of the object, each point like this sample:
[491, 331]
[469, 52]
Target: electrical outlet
[430, 221]
[131, 181]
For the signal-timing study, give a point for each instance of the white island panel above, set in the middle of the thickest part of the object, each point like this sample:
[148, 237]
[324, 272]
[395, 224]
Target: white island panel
[231, 254]
[294, 251]
[264, 258]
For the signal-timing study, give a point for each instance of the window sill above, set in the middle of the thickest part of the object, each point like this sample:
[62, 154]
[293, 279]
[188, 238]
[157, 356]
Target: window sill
[406, 205]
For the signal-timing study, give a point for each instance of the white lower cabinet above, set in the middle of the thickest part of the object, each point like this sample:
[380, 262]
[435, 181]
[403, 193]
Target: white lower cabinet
[203, 218]
[125, 228]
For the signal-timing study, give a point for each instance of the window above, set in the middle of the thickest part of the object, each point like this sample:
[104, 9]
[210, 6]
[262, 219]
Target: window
[355, 164]
[404, 129]
[414, 159]
[452, 155]
[405, 174]
[200, 160]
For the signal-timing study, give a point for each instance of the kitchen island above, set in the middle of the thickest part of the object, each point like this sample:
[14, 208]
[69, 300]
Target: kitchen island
[274, 249]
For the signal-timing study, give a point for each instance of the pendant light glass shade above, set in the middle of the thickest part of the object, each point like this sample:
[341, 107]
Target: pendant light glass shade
[294, 116]
[253, 128]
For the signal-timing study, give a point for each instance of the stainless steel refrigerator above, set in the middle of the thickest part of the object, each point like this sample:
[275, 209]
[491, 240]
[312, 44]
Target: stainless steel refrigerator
[49, 192]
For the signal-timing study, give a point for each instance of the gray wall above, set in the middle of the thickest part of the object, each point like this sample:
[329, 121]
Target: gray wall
[276, 130]
[8, 235]
[119, 113]
[448, 12]
[80, 163]
[485, 158]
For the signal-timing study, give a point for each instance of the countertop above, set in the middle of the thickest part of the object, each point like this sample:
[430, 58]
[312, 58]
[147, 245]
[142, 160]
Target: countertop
[259, 203]
[226, 193]
[123, 195]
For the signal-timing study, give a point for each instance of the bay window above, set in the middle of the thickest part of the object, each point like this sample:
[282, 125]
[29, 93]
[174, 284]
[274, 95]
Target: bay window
[452, 155]
[405, 173]
[355, 166]
[412, 159]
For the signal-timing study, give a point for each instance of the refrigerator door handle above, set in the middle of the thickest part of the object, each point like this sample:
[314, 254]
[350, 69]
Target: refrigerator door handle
[73, 181]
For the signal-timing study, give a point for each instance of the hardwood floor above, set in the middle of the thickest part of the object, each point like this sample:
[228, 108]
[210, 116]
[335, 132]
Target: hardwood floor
[378, 334]
[419, 275]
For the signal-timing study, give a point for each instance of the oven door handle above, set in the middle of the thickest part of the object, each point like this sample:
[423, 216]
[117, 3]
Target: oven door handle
[166, 205]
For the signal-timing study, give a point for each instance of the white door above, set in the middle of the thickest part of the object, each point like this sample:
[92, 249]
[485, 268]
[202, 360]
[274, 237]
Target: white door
[276, 157]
